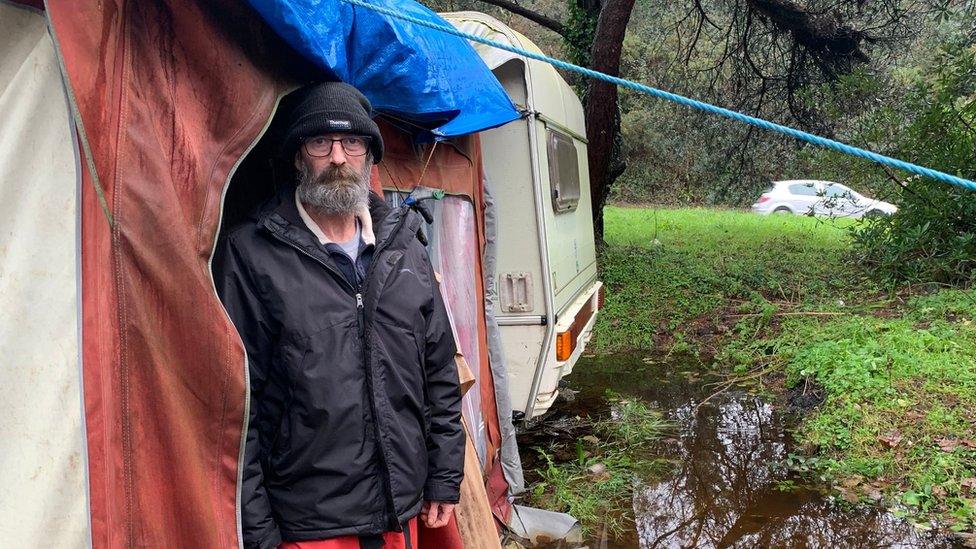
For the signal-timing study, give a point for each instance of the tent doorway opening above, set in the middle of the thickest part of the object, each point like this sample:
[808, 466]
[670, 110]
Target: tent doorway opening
[261, 173]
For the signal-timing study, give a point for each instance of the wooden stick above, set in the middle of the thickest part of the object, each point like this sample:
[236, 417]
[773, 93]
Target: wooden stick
[791, 313]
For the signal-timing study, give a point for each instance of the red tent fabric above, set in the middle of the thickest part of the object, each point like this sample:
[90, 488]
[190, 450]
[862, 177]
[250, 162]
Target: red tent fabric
[164, 383]
[169, 96]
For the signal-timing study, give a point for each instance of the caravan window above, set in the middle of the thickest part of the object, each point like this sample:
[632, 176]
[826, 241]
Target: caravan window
[564, 174]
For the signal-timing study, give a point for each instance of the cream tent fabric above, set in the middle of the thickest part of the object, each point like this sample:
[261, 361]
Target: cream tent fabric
[43, 500]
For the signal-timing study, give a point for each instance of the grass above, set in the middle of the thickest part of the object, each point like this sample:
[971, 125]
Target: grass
[899, 417]
[596, 487]
[665, 269]
[778, 297]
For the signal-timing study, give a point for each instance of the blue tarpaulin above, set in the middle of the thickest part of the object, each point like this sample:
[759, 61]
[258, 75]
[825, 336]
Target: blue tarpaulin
[426, 79]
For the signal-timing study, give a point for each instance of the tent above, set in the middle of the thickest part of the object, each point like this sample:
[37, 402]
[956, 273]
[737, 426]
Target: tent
[130, 133]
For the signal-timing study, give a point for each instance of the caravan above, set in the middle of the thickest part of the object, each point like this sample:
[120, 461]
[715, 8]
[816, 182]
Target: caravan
[536, 168]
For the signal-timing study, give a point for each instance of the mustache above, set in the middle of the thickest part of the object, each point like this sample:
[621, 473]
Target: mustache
[338, 174]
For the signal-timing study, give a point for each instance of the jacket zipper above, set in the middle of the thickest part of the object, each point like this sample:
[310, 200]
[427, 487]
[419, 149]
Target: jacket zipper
[361, 318]
[363, 336]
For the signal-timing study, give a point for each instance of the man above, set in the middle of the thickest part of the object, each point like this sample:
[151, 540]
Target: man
[354, 421]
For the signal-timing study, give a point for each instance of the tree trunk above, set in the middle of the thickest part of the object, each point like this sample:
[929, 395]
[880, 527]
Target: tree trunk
[602, 112]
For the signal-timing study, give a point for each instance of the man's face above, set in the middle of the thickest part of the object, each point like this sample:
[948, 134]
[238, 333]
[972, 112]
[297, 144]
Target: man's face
[333, 173]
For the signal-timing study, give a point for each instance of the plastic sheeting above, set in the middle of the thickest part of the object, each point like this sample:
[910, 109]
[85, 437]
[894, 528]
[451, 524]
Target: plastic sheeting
[454, 246]
[426, 78]
[43, 483]
[541, 527]
[511, 460]
[455, 168]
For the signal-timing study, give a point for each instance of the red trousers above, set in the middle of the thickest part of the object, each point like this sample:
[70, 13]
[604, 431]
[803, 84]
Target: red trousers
[407, 539]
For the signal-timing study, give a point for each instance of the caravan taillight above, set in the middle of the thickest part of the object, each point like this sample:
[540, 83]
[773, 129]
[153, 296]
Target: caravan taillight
[566, 341]
[564, 345]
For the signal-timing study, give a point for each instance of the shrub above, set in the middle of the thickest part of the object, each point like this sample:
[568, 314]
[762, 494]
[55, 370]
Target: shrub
[932, 238]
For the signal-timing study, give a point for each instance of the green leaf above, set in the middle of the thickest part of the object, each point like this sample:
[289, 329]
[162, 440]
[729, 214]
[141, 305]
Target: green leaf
[910, 498]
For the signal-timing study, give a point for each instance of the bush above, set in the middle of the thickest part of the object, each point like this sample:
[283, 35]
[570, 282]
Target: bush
[933, 236]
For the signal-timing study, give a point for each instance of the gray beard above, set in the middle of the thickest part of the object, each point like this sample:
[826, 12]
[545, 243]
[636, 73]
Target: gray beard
[336, 190]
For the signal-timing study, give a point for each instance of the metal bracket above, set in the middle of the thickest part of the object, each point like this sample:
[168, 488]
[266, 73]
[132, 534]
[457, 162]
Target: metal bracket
[515, 291]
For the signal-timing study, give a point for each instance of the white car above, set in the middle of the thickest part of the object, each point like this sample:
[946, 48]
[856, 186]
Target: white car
[822, 198]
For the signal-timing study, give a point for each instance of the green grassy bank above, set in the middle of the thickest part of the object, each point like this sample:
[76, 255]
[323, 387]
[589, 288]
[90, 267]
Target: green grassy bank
[777, 300]
[898, 419]
[674, 274]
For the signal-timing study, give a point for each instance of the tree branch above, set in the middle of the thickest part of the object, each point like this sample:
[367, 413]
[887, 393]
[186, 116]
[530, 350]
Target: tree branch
[535, 17]
[826, 38]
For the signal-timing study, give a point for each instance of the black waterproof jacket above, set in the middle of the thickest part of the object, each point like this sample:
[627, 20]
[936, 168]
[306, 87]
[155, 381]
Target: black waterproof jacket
[355, 409]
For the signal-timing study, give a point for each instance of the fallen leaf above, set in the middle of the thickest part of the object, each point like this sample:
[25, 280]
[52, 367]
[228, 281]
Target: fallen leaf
[848, 495]
[968, 540]
[914, 415]
[873, 493]
[910, 498]
[947, 444]
[596, 469]
[968, 483]
[923, 526]
[938, 491]
[968, 443]
[892, 439]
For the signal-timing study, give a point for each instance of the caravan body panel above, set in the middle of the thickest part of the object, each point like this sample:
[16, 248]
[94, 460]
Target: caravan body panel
[547, 269]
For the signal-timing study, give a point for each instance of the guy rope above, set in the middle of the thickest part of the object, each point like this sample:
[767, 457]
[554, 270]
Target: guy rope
[688, 102]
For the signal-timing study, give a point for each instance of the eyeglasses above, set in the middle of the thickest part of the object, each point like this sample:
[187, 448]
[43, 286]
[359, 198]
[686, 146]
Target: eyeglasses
[320, 145]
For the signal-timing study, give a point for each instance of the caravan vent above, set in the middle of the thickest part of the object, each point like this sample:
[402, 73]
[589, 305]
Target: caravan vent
[515, 291]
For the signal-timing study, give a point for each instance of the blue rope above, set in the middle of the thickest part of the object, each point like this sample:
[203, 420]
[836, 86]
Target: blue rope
[681, 100]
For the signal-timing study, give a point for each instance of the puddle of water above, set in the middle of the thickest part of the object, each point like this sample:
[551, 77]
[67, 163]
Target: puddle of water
[725, 490]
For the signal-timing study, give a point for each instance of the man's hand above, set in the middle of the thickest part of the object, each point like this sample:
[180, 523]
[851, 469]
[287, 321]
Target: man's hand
[436, 514]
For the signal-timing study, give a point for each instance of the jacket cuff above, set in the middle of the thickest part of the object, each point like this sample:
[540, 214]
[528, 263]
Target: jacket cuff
[269, 538]
[442, 493]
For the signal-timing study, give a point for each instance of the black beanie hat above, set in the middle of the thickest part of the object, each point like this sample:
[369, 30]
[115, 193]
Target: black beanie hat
[329, 107]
